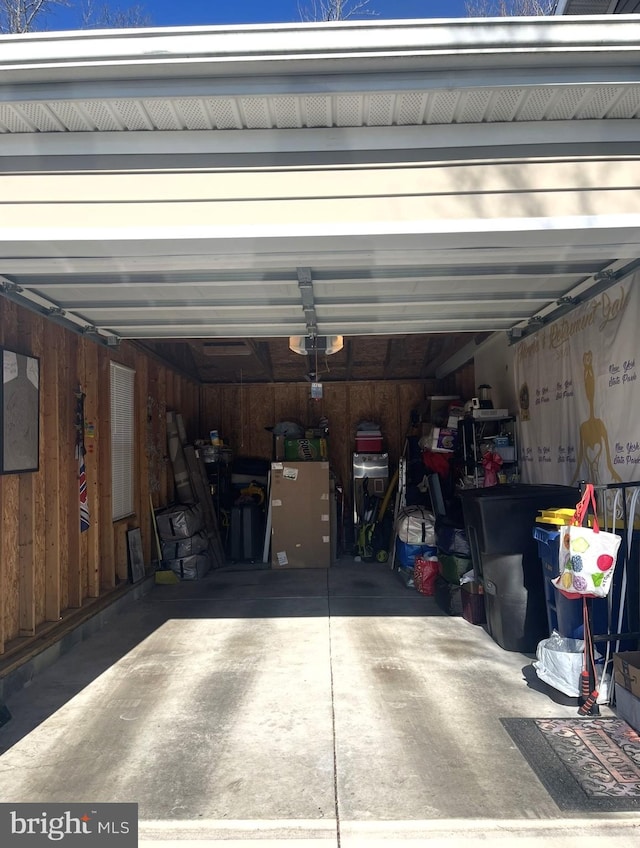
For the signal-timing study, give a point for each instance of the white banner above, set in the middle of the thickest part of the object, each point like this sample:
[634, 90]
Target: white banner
[579, 396]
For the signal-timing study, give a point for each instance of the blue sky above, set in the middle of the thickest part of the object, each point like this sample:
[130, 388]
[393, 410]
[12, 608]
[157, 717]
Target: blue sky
[203, 12]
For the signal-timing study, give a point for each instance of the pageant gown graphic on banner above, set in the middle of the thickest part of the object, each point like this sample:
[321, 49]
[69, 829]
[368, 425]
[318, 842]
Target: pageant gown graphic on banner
[593, 449]
[579, 398]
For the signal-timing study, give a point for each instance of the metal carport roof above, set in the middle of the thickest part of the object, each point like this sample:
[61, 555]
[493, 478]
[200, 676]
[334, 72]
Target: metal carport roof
[366, 178]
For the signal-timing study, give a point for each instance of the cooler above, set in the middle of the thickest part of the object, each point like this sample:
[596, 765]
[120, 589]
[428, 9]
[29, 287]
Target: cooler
[368, 443]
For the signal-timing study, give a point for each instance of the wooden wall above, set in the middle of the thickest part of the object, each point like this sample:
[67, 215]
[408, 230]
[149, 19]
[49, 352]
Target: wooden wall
[242, 412]
[47, 566]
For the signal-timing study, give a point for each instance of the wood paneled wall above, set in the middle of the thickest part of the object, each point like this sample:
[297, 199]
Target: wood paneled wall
[47, 566]
[241, 414]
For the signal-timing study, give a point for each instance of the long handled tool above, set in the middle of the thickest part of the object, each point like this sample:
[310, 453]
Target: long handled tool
[381, 533]
[588, 677]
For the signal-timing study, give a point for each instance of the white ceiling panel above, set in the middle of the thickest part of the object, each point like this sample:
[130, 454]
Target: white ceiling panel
[368, 178]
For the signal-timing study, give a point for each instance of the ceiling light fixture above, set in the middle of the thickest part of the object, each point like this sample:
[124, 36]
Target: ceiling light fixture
[305, 345]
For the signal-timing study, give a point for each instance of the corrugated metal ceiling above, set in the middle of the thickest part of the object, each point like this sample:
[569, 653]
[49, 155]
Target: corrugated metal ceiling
[364, 275]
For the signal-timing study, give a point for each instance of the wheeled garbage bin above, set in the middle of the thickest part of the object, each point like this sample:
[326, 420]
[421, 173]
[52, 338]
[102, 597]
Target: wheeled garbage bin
[499, 521]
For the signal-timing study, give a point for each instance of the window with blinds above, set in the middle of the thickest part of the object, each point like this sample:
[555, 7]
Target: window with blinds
[122, 435]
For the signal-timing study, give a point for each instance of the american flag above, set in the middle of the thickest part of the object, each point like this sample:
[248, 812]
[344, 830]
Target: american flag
[84, 503]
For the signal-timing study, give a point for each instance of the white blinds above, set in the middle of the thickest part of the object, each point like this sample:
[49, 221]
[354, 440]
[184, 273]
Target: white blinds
[122, 434]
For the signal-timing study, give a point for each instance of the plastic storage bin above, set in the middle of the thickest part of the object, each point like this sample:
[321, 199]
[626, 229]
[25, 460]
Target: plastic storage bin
[565, 614]
[368, 444]
[472, 596]
[499, 522]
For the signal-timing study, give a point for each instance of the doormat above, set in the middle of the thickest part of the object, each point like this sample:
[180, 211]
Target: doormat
[587, 764]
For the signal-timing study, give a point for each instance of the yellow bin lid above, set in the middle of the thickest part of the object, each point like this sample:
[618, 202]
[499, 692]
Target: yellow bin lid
[558, 516]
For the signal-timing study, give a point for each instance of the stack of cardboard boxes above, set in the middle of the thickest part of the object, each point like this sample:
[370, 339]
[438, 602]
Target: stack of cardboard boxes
[627, 680]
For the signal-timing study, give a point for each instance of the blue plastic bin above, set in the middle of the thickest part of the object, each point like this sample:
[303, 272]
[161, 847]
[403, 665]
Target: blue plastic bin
[564, 614]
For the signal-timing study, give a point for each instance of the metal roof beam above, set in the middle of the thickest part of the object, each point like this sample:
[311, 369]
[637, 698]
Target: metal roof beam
[523, 137]
[305, 284]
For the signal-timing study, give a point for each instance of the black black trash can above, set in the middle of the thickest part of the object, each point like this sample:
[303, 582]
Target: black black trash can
[499, 521]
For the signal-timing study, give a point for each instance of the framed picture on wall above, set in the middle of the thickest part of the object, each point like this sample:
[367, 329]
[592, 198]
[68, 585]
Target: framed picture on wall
[136, 555]
[20, 411]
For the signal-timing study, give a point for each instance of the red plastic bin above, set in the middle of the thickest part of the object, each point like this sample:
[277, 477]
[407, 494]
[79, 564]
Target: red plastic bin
[368, 444]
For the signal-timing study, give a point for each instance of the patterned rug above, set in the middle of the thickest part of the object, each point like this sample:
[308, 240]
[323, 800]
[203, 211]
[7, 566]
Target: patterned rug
[588, 764]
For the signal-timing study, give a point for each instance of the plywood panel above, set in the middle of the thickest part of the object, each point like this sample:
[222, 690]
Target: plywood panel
[38, 348]
[120, 550]
[465, 382]
[259, 409]
[10, 544]
[26, 561]
[344, 404]
[385, 401]
[170, 389]
[92, 441]
[334, 407]
[362, 405]
[410, 396]
[105, 499]
[166, 489]
[142, 457]
[286, 406]
[83, 553]
[8, 503]
[3, 589]
[51, 453]
[230, 419]
[177, 392]
[212, 400]
[156, 449]
[70, 466]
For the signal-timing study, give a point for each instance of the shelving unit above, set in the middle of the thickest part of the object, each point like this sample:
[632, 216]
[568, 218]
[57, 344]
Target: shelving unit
[476, 431]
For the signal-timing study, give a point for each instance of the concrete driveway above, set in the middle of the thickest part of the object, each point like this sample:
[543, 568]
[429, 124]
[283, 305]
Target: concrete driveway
[305, 708]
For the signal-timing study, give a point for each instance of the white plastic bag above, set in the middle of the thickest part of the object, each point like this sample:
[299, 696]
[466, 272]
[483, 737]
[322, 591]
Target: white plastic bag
[559, 663]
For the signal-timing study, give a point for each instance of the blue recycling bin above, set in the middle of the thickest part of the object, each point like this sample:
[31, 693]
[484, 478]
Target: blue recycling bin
[565, 614]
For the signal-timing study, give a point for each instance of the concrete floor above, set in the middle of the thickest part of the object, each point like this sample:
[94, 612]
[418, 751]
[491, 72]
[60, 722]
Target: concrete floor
[309, 708]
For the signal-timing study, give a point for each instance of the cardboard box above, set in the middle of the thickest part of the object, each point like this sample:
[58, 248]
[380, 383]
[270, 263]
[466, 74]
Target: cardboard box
[443, 439]
[278, 448]
[627, 707]
[300, 515]
[306, 450]
[627, 671]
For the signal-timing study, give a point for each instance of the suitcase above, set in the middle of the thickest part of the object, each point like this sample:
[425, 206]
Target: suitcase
[247, 532]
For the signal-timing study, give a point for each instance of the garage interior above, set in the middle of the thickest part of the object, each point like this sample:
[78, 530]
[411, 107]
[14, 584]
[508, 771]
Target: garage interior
[183, 203]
